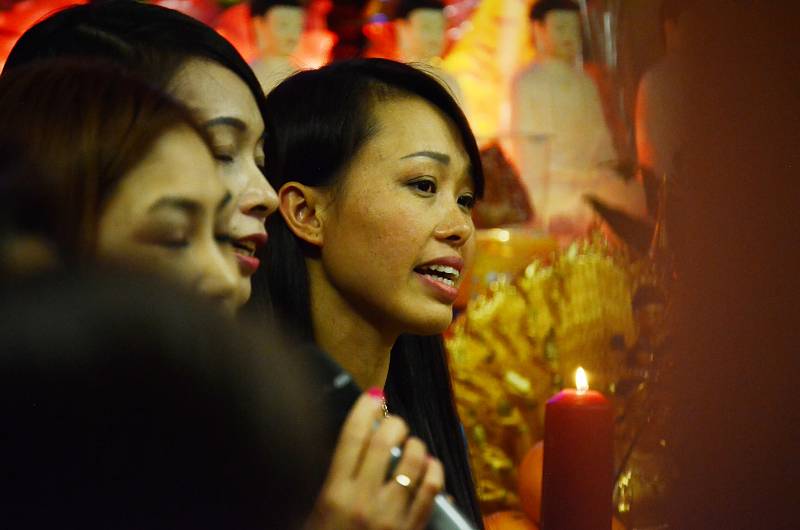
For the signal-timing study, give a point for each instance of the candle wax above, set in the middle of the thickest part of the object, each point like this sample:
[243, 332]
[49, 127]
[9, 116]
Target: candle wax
[577, 479]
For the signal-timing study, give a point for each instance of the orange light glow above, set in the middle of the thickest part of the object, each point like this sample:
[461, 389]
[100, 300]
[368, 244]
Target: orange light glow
[581, 381]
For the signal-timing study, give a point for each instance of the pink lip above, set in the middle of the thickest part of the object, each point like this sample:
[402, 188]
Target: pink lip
[259, 239]
[248, 264]
[449, 261]
[444, 292]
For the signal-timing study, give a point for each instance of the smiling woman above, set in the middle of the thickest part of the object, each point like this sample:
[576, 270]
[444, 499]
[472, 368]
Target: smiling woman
[123, 171]
[193, 63]
[377, 172]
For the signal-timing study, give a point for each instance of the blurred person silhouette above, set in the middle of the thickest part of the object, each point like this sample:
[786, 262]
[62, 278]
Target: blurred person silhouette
[128, 404]
[732, 222]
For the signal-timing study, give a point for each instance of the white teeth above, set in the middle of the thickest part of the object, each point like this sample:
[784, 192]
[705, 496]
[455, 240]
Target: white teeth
[245, 247]
[445, 269]
[446, 281]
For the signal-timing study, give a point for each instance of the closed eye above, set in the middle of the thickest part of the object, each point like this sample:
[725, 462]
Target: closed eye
[175, 244]
[225, 159]
[224, 239]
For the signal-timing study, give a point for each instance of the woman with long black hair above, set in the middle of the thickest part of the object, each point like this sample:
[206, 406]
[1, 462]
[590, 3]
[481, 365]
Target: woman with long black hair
[196, 66]
[192, 63]
[377, 172]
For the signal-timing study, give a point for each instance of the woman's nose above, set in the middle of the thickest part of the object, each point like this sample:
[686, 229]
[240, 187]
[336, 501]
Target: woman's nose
[456, 226]
[217, 274]
[259, 198]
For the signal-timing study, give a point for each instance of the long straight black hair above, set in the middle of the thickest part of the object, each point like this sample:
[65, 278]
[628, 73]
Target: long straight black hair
[316, 122]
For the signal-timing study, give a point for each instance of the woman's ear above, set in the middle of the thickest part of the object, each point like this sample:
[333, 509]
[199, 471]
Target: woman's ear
[302, 208]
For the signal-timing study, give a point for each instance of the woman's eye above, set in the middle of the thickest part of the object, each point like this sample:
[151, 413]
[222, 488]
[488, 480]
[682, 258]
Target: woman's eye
[467, 201]
[175, 244]
[425, 186]
[224, 239]
[224, 158]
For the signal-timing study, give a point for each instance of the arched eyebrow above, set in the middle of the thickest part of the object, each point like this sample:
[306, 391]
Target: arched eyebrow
[442, 158]
[185, 204]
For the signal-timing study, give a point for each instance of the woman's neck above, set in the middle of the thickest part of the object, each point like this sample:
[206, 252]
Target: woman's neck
[359, 345]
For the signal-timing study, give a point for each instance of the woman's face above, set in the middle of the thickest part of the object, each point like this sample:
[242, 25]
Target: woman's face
[225, 107]
[398, 232]
[170, 214]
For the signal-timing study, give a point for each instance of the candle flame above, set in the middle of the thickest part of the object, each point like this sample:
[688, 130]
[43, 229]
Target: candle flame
[581, 381]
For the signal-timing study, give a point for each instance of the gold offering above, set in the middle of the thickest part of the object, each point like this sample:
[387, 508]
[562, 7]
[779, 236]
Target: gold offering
[535, 314]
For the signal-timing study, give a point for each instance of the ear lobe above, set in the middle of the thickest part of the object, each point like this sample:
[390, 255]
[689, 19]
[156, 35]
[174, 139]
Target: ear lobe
[300, 208]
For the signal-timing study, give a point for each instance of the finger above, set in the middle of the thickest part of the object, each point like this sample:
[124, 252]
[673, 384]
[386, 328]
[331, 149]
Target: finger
[393, 499]
[410, 470]
[432, 483]
[371, 475]
[355, 436]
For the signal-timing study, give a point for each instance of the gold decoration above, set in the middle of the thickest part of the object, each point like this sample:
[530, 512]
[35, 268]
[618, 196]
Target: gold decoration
[515, 344]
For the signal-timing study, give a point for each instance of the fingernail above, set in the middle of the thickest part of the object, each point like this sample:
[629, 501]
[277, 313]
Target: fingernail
[376, 393]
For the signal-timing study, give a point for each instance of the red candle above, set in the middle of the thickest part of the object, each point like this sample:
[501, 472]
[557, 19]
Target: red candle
[577, 477]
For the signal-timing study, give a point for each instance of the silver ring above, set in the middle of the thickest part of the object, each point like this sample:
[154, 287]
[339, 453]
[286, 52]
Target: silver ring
[403, 480]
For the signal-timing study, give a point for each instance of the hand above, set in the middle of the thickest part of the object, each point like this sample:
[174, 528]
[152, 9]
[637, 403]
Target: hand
[356, 493]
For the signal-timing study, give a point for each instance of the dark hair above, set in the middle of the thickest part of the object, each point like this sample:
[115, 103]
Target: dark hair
[26, 220]
[79, 127]
[407, 6]
[260, 7]
[151, 40]
[127, 405]
[21, 209]
[317, 121]
[541, 8]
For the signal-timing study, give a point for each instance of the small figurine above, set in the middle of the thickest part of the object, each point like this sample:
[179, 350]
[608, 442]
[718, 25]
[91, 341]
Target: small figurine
[562, 143]
[278, 27]
[421, 32]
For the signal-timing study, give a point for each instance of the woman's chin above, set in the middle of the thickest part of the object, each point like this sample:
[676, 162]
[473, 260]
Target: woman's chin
[431, 322]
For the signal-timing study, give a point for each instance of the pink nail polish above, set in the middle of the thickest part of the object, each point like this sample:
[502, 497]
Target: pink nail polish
[376, 393]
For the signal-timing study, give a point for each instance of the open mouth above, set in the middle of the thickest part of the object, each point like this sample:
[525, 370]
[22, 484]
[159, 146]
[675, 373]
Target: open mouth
[441, 273]
[245, 248]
